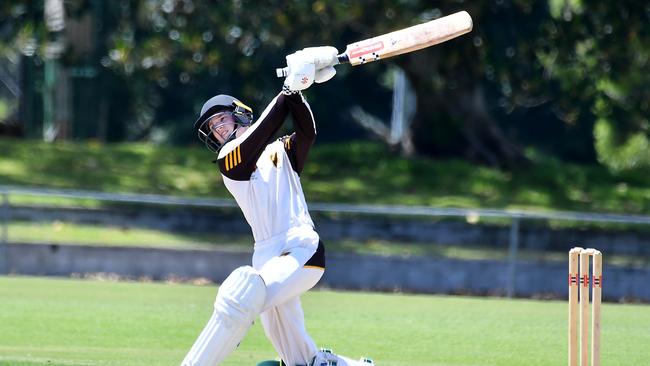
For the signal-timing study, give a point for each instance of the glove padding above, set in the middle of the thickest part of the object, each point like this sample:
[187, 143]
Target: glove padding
[322, 57]
[324, 74]
[309, 65]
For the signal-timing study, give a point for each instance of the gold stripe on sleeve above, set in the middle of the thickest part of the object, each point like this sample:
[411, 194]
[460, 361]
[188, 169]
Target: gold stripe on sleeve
[238, 155]
[314, 267]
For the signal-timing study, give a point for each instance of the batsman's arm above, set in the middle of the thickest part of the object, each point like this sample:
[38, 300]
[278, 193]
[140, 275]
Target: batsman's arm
[300, 142]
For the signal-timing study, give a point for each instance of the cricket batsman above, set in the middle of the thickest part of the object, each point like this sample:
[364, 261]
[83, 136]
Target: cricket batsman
[263, 175]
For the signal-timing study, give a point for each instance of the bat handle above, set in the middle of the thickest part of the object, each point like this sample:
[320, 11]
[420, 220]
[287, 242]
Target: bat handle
[283, 72]
[343, 58]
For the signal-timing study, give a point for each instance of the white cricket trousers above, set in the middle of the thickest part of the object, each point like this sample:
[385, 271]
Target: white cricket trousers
[281, 261]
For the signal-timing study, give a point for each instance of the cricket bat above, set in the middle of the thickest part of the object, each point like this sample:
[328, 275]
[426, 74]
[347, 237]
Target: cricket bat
[404, 40]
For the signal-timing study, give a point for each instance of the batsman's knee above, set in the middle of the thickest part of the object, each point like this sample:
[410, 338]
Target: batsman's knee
[241, 296]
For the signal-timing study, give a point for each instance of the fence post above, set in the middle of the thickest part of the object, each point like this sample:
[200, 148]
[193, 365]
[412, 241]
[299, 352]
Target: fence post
[512, 257]
[4, 232]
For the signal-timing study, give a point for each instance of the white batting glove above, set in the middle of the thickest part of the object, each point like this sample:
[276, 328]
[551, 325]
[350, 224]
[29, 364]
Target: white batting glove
[309, 65]
[322, 57]
[325, 57]
[324, 74]
[301, 72]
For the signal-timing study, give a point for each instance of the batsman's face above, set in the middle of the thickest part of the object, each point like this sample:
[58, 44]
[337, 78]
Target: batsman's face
[222, 125]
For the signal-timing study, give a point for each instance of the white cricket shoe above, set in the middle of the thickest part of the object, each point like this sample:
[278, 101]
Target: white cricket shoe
[327, 358]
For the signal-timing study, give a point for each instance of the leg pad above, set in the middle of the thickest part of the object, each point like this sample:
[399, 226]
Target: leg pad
[239, 300]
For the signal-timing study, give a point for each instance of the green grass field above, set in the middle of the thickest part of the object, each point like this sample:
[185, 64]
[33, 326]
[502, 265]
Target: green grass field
[57, 322]
[351, 172]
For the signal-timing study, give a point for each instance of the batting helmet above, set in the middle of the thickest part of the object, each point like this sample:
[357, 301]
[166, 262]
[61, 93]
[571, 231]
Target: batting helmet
[242, 114]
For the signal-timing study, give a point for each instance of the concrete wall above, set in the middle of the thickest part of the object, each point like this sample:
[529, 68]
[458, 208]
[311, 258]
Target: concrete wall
[157, 264]
[344, 271]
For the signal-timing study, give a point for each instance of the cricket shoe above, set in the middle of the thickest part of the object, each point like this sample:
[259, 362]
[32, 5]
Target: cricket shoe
[271, 363]
[327, 358]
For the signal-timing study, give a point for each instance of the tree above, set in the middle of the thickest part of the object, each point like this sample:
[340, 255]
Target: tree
[605, 68]
[544, 74]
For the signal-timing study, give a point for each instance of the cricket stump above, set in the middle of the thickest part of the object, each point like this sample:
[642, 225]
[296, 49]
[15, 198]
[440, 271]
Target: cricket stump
[579, 306]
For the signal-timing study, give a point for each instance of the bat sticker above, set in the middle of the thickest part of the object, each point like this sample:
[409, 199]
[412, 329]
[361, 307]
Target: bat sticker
[365, 49]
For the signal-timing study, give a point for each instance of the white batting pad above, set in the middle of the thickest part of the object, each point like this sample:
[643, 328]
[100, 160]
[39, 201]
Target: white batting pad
[239, 300]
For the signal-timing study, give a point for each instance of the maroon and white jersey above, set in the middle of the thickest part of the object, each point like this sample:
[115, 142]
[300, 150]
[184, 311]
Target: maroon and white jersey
[263, 175]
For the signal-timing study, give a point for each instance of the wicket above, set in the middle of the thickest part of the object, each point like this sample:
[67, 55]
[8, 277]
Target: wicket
[579, 261]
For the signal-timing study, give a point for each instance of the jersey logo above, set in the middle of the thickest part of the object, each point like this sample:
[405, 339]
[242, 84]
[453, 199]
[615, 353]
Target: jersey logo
[287, 143]
[274, 159]
[233, 159]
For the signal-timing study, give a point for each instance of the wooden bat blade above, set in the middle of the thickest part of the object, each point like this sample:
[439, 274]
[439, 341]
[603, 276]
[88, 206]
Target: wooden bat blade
[409, 39]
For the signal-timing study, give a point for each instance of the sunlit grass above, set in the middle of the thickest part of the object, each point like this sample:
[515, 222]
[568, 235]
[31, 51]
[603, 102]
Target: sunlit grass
[67, 233]
[64, 322]
[351, 172]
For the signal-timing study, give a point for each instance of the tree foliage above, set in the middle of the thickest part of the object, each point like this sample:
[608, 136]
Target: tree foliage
[604, 74]
[569, 77]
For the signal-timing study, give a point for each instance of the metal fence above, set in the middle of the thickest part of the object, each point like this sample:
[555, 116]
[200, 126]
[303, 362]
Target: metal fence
[514, 216]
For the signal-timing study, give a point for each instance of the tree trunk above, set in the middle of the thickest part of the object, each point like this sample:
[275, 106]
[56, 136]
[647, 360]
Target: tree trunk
[454, 120]
[485, 138]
